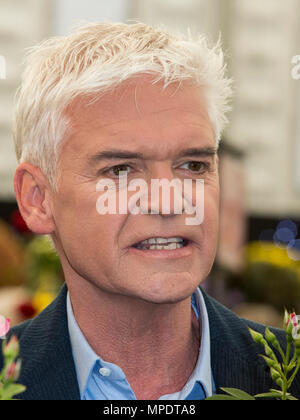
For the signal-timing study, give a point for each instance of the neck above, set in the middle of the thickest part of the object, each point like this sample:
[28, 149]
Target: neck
[156, 345]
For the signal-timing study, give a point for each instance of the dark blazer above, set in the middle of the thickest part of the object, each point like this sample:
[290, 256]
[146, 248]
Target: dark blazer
[48, 369]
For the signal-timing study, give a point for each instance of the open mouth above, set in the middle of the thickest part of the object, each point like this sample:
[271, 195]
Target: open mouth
[162, 244]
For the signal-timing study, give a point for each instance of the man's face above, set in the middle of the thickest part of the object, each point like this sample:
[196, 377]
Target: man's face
[159, 125]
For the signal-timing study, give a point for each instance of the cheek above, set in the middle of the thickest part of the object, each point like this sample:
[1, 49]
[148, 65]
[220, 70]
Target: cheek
[212, 200]
[77, 220]
[211, 215]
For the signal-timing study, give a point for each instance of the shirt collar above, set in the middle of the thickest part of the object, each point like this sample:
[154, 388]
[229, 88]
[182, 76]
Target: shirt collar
[202, 371]
[83, 354]
[85, 357]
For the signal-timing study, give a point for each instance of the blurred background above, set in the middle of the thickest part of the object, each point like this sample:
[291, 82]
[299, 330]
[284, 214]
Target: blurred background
[257, 270]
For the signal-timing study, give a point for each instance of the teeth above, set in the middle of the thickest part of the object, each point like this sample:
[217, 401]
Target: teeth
[161, 240]
[176, 239]
[153, 247]
[161, 243]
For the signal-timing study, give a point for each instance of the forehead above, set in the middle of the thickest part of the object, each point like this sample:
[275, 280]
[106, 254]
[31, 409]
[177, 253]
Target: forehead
[138, 112]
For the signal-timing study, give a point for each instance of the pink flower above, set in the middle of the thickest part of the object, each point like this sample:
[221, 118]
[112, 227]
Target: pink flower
[294, 319]
[13, 371]
[11, 349]
[4, 326]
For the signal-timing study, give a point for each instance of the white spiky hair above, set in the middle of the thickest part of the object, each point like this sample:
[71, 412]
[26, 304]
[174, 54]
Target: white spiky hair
[96, 58]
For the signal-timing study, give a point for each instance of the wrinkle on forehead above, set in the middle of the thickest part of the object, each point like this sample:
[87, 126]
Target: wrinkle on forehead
[133, 87]
[153, 111]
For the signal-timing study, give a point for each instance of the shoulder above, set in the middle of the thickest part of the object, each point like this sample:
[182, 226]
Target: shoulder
[224, 322]
[48, 370]
[16, 331]
[37, 336]
[227, 328]
[235, 355]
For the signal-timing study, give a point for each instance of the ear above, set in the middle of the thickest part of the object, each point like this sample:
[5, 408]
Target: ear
[33, 194]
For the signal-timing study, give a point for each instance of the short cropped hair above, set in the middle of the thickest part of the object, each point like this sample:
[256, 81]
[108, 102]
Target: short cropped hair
[97, 58]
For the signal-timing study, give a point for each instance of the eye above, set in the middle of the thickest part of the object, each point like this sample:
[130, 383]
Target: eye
[197, 167]
[118, 168]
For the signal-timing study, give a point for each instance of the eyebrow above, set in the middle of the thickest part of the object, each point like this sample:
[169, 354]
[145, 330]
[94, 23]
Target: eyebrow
[126, 154]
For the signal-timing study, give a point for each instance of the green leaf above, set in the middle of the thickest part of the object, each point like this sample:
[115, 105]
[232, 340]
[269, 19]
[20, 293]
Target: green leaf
[291, 365]
[268, 395]
[272, 364]
[10, 390]
[238, 394]
[220, 397]
[277, 391]
[290, 397]
[271, 338]
[269, 352]
[257, 337]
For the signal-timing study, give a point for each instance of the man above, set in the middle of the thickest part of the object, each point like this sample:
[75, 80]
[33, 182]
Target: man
[131, 323]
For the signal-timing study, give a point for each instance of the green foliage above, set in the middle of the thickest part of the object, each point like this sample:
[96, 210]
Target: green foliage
[283, 371]
[11, 370]
[234, 394]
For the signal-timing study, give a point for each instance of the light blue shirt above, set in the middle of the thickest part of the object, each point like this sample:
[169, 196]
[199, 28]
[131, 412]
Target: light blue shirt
[101, 380]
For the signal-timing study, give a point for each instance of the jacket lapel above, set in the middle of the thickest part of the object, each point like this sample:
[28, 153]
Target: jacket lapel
[234, 355]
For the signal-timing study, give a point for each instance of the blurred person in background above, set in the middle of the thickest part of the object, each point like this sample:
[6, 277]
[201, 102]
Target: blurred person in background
[131, 321]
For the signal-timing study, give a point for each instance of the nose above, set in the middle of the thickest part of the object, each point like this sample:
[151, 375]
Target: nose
[165, 192]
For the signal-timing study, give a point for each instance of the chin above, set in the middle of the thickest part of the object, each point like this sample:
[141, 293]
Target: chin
[164, 292]
[165, 299]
